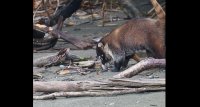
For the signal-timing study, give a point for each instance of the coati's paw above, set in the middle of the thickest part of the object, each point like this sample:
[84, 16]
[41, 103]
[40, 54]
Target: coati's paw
[148, 58]
[115, 70]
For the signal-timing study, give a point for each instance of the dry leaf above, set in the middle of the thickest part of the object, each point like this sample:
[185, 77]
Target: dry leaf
[85, 63]
[63, 72]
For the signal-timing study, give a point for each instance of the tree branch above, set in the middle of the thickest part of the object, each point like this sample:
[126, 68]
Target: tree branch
[141, 66]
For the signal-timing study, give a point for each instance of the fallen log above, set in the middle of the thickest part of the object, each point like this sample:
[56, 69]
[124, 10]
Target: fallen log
[96, 94]
[93, 88]
[141, 66]
[112, 84]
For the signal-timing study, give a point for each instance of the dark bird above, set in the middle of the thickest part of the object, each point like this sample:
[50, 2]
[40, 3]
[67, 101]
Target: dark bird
[42, 42]
[38, 34]
[66, 10]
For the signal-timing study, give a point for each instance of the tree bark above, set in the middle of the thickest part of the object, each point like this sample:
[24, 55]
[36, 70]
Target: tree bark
[141, 66]
[59, 57]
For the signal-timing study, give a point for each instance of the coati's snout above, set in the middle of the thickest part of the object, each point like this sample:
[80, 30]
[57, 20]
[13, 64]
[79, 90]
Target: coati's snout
[102, 54]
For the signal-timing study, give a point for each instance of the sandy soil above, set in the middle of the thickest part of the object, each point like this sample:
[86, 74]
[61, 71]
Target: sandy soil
[130, 100]
[91, 30]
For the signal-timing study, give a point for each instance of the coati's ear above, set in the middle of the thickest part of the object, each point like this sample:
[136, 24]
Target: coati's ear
[96, 40]
[100, 45]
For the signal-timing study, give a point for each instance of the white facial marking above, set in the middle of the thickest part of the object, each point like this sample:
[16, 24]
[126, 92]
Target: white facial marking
[108, 51]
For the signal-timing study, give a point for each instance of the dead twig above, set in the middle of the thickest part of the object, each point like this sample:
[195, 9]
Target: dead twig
[103, 12]
[36, 10]
[58, 3]
[45, 8]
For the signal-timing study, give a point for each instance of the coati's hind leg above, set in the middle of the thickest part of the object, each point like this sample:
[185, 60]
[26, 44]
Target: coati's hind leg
[150, 53]
[136, 58]
[127, 58]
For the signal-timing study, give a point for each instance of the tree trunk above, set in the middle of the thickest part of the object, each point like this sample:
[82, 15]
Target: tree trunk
[112, 84]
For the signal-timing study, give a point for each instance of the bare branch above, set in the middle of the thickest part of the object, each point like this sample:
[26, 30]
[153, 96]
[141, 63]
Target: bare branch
[141, 66]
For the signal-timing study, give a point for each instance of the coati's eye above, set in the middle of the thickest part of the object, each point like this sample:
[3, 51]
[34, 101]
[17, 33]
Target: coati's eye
[101, 57]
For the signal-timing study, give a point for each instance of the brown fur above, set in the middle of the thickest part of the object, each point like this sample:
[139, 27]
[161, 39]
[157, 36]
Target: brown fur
[136, 34]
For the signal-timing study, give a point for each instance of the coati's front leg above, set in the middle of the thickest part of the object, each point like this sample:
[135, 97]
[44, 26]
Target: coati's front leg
[122, 61]
[118, 63]
[125, 63]
[136, 58]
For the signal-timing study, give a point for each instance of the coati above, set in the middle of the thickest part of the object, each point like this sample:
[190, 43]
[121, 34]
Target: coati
[121, 44]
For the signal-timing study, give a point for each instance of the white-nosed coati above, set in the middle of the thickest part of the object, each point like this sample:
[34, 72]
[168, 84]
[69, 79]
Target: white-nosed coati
[136, 34]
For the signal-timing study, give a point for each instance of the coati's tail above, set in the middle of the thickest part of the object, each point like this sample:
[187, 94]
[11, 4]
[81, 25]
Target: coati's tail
[159, 11]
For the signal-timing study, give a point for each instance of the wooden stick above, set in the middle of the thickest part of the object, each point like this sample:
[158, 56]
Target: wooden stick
[58, 2]
[141, 66]
[103, 12]
[57, 86]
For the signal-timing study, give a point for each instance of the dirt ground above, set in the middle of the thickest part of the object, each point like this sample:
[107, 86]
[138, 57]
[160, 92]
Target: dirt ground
[92, 30]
